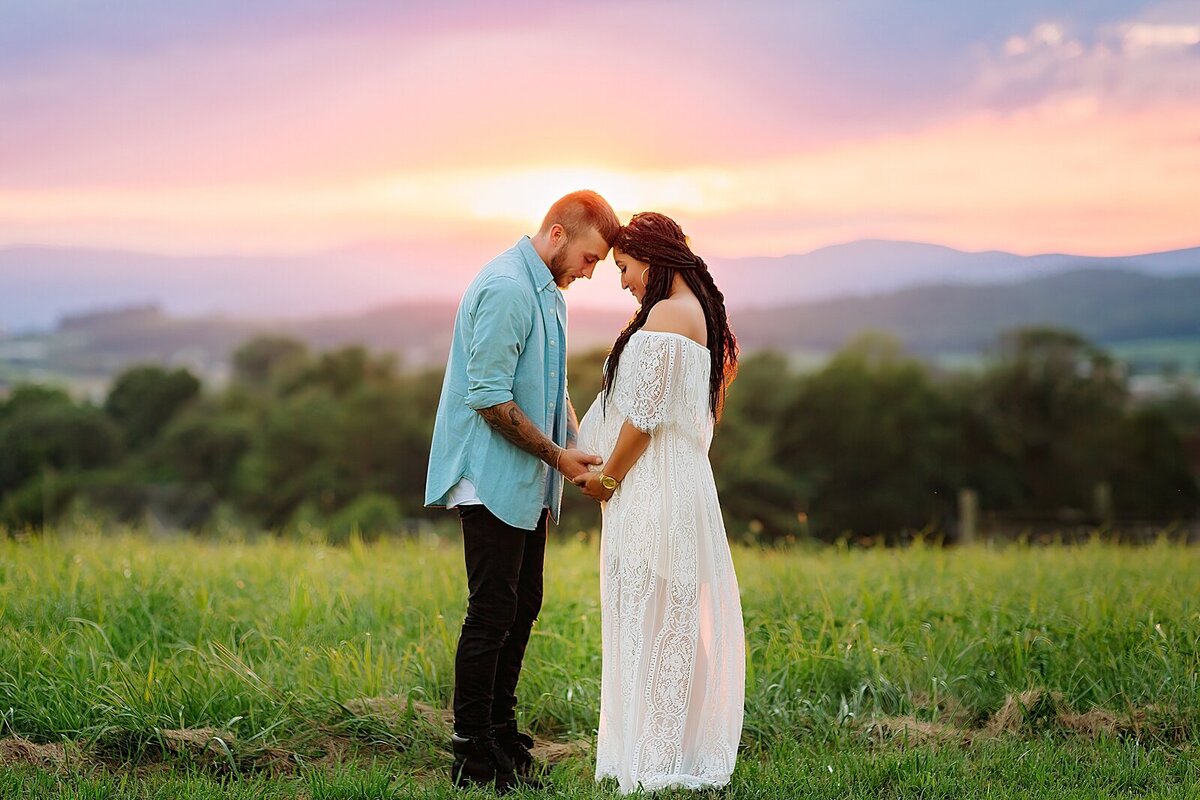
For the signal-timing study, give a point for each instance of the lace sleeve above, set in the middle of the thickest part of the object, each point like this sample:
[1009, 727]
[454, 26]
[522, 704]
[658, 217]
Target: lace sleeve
[651, 392]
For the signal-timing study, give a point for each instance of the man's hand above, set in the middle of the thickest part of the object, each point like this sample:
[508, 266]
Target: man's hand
[590, 484]
[573, 463]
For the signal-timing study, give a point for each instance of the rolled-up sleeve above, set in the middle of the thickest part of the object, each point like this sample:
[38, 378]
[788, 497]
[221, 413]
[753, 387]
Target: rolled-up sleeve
[502, 322]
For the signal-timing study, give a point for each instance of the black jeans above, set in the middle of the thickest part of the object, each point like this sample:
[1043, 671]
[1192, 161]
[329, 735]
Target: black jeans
[504, 581]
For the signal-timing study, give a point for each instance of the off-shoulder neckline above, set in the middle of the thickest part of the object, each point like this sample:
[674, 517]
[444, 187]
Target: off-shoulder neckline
[672, 333]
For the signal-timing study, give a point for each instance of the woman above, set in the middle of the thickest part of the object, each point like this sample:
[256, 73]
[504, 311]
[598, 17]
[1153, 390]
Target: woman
[673, 677]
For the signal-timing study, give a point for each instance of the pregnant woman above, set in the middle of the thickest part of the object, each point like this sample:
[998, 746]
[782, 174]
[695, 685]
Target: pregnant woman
[673, 675]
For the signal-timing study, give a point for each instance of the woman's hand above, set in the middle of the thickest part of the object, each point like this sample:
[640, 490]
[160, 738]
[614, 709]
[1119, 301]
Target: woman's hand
[574, 463]
[589, 484]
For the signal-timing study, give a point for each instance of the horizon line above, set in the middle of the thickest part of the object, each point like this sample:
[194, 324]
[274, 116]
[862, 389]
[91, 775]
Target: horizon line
[351, 245]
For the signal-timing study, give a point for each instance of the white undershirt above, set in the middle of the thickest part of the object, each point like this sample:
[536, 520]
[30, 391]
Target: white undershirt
[462, 494]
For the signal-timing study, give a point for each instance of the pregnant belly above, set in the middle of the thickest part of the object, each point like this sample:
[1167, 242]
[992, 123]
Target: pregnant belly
[594, 435]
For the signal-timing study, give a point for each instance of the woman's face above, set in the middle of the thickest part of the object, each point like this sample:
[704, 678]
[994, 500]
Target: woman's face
[633, 273]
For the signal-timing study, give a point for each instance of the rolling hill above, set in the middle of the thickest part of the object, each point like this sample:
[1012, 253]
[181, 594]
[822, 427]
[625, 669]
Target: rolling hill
[39, 285]
[1106, 305]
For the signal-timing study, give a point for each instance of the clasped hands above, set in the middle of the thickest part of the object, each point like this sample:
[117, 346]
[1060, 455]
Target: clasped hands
[573, 464]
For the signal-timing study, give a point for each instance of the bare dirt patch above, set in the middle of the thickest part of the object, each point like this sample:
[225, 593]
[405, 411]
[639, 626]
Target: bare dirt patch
[384, 726]
[1024, 714]
[15, 750]
[913, 731]
[396, 710]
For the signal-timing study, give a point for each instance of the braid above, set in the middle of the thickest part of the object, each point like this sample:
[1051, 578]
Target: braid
[722, 344]
[659, 241]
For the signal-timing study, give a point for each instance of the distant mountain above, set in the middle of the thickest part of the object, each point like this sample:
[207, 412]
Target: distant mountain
[1103, 305]
[872, 266]
[1106, 306]
[102, 343]
[39, 285]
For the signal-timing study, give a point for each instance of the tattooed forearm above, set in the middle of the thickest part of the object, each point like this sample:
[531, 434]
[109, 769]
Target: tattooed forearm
[511, 422]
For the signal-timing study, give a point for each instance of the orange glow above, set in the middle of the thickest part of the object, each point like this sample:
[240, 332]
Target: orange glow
[764, 134]
[1061, 177]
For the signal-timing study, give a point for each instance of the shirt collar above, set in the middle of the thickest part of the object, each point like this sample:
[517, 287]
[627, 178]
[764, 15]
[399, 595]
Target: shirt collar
[541, 275]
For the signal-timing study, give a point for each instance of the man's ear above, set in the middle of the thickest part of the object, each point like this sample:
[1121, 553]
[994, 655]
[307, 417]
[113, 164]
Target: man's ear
[557, 233]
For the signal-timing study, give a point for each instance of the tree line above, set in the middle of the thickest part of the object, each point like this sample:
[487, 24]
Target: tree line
[874, 443]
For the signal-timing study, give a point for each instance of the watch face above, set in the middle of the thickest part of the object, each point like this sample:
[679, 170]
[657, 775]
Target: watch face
[608, 483]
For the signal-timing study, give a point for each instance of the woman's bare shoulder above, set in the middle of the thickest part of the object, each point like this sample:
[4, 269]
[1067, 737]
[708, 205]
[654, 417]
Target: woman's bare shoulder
[683, 316]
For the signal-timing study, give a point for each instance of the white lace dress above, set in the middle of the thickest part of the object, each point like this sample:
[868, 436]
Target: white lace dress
[673, 677]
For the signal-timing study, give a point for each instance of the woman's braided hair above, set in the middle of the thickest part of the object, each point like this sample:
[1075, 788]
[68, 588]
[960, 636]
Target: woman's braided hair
[659, 241]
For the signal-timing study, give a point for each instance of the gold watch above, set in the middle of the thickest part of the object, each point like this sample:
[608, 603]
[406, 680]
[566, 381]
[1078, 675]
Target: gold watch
[609, 482]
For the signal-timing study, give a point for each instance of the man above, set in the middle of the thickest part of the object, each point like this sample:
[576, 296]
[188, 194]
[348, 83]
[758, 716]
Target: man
[503, 440]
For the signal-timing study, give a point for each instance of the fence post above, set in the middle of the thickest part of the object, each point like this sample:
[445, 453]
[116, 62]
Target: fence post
[968, 515]
[1102, 502]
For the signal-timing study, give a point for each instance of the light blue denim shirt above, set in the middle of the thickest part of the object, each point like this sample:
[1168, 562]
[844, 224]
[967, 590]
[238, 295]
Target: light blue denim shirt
[509, 344]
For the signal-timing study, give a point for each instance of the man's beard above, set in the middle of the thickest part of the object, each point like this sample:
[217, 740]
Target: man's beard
[558, 270]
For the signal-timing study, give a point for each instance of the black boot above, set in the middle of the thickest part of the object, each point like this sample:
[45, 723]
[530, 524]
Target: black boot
[480, 761]
[516, 745]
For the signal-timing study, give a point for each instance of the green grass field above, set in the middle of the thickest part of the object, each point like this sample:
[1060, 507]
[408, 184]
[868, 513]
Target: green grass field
[181, 668]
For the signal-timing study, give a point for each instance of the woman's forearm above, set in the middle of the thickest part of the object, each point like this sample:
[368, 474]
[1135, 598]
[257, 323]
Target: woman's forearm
[631, 443]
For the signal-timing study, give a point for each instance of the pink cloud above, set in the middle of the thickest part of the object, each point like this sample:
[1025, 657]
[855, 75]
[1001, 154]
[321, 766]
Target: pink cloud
[794, 125]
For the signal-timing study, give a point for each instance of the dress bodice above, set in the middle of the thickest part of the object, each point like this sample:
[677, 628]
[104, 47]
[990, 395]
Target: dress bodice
[662, 384]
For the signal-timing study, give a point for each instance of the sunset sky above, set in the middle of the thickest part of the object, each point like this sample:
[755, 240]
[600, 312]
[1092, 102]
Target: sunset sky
[289, 126]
